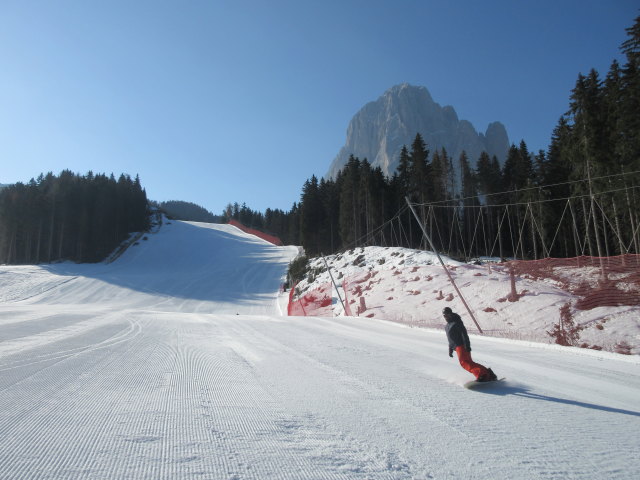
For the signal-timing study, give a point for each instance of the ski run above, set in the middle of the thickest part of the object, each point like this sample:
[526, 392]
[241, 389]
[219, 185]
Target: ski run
[175, 361]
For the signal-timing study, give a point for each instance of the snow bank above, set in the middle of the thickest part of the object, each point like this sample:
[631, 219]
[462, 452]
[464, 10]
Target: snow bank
[411, 287]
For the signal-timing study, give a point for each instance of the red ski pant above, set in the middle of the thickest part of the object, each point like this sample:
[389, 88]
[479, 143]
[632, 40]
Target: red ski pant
[468, 364]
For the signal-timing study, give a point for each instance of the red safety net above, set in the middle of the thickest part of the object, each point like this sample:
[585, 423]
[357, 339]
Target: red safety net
[313, 303]
[596, 281]
[265, 236]
[353, 289]
[401, 293]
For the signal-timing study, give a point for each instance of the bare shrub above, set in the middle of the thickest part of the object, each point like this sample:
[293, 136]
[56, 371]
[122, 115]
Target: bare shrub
[565, 332]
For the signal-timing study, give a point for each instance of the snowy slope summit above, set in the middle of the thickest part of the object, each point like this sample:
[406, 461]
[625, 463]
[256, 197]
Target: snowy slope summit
[186, 266]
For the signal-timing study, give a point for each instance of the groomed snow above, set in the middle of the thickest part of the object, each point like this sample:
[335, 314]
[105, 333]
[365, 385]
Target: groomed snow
[174, 362]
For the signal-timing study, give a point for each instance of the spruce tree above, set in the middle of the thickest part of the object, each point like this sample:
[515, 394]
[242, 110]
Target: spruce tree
[311, 216]
[350, 228]
[419, 170]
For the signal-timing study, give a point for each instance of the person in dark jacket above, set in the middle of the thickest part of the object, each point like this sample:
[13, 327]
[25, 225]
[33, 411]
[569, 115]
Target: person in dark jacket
[459, 341]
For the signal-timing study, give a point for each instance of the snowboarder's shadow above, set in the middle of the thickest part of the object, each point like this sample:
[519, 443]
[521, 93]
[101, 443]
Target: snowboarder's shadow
[523, 391]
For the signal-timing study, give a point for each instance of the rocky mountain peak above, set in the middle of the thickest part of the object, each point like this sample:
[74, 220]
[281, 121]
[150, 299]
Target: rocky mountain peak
[380, 129]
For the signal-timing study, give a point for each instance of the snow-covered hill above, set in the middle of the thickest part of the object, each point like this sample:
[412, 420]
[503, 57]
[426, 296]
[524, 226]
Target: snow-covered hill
[173, 362]
[185, 266]
[411, 287]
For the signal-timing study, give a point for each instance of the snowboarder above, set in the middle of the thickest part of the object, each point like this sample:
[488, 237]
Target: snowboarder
[459, 341]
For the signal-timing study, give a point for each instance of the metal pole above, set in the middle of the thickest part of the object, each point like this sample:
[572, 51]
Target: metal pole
[334, 282]
[444, 266]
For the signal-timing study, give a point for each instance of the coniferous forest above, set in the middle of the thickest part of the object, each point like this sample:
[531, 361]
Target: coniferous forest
[580, 197]
[69, 217]
[189, 211]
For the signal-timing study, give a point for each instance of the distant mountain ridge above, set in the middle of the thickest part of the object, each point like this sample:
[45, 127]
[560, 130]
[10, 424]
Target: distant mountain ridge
[380, 129]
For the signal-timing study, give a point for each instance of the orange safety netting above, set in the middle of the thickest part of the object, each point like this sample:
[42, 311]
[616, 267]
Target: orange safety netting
[565, 300]
[265, 236]
[353, 288]
[597, 281]
[314, 303]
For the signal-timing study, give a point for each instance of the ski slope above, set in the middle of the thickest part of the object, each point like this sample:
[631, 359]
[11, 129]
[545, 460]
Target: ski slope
[174, 362]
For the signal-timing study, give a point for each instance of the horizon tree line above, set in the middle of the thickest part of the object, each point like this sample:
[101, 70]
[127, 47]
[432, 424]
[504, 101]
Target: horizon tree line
[69, 217]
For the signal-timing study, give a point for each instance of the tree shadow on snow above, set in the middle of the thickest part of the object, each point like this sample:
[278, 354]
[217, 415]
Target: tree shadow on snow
[191, 262]
[504, 389]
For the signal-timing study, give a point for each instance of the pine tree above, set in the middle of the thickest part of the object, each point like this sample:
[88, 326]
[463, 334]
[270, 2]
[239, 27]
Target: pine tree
[630, 98]
[330, 198]
[469, 206]
[404, 171]
[349, 179]
[311, 216]
[488, 175]
[419, 170]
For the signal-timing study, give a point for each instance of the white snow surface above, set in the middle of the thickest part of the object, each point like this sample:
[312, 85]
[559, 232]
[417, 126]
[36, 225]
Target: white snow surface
[174, 362]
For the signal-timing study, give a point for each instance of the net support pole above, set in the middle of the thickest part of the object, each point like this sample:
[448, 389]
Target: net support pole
[433, 248]
[334, 283]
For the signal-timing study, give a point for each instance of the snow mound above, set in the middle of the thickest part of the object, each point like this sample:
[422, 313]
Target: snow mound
[411, 287]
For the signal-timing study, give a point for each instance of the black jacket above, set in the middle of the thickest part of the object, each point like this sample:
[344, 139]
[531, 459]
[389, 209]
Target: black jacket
[456, 333]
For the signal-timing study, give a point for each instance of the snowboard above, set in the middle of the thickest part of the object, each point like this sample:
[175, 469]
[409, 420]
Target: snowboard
[476, 384]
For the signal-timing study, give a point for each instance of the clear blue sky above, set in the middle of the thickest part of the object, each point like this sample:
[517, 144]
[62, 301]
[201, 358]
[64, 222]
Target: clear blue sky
[242, 100]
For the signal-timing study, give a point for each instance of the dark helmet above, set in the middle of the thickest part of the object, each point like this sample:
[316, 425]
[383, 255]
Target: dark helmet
[446, 310]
